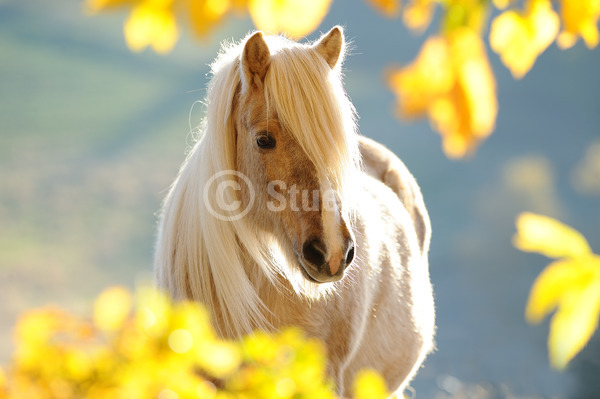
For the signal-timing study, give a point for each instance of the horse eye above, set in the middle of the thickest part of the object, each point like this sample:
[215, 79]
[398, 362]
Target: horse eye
[265, 141]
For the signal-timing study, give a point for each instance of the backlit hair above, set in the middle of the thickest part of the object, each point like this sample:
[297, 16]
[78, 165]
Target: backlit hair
[220, 263]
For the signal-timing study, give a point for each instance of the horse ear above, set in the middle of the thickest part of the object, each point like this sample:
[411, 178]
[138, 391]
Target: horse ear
[256, 59]
[330, 46]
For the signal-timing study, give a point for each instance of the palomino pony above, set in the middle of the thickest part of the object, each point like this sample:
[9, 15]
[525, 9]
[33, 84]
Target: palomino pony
[282, 215]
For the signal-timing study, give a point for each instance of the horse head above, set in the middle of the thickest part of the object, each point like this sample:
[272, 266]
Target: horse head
[289, 124]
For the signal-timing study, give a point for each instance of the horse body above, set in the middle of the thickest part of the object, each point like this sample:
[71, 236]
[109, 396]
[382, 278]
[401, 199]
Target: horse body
[381, 316]
[349, 266]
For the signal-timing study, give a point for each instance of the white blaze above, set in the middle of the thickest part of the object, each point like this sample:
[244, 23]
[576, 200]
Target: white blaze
[331, 219]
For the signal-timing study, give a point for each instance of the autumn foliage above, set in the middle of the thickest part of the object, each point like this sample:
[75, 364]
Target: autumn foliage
[165, 350]
[450, 82]
[570, 284]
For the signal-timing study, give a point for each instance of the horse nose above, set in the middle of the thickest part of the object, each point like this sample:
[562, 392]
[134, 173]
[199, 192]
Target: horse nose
[322, 267]
[314, 252]
[349, 253]
[341, 260]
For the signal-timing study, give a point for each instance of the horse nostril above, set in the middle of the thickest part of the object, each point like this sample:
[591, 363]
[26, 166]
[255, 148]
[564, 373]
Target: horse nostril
[314, 252]
[350, 254]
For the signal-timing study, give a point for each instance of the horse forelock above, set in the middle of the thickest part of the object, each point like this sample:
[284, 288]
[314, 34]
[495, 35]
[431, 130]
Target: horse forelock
[312, 106]
[308, 98]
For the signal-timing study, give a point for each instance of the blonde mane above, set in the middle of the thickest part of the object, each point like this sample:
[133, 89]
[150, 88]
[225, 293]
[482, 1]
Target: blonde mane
[312, 104]
[224, 263]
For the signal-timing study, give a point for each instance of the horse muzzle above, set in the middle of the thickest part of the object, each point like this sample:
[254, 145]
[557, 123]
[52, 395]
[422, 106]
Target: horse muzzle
[320, 266]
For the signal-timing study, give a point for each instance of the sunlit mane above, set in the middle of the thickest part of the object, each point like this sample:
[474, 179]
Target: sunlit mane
[312, 105]
[201, 257]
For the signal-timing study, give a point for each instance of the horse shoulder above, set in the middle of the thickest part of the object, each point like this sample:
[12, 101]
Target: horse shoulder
[382, 164]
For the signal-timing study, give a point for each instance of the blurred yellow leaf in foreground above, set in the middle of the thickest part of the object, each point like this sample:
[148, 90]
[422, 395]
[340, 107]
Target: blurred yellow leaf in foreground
[519, 38]
[571, 285]
[103, 5]
[161, 349]
[389, 8]
[152, 23]
[155, 23]
[369, 385]
[545, 235]
[293, 17]
[417, 14]
[579, 19]
[502, 4]
[205, 15]
[452, 83]
[112, 308]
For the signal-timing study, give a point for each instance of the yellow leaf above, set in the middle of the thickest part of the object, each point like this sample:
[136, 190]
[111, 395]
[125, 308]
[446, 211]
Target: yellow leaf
[476, 80]
[33, 332]
[574, 323]
[542, 234]
[219, 358]
[519, 38]
[239, 5]
[293, 17]
[151, 25]
[389, 8]
[104, 5]
[153, 310]
[285, 387]
[192, 317]
[368, 384]
[36, 326]
[502, 4]
[556, 282]
[460, 14]
[417, 14]
[111, 308]
[205, 15]
[181, 341]
[206, 390]
[167, 394]
[579, 19]
[77, 365]
[450, 81]
[427, 78]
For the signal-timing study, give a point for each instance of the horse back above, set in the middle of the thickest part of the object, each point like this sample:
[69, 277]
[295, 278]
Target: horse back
[385, 166]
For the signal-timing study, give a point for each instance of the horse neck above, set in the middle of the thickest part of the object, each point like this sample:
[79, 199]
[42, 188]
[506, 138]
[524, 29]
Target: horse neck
[283, 307]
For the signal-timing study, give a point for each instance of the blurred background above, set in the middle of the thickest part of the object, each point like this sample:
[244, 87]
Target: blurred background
[92, 135]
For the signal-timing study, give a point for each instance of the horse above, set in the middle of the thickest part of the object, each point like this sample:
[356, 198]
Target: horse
[282, 214]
